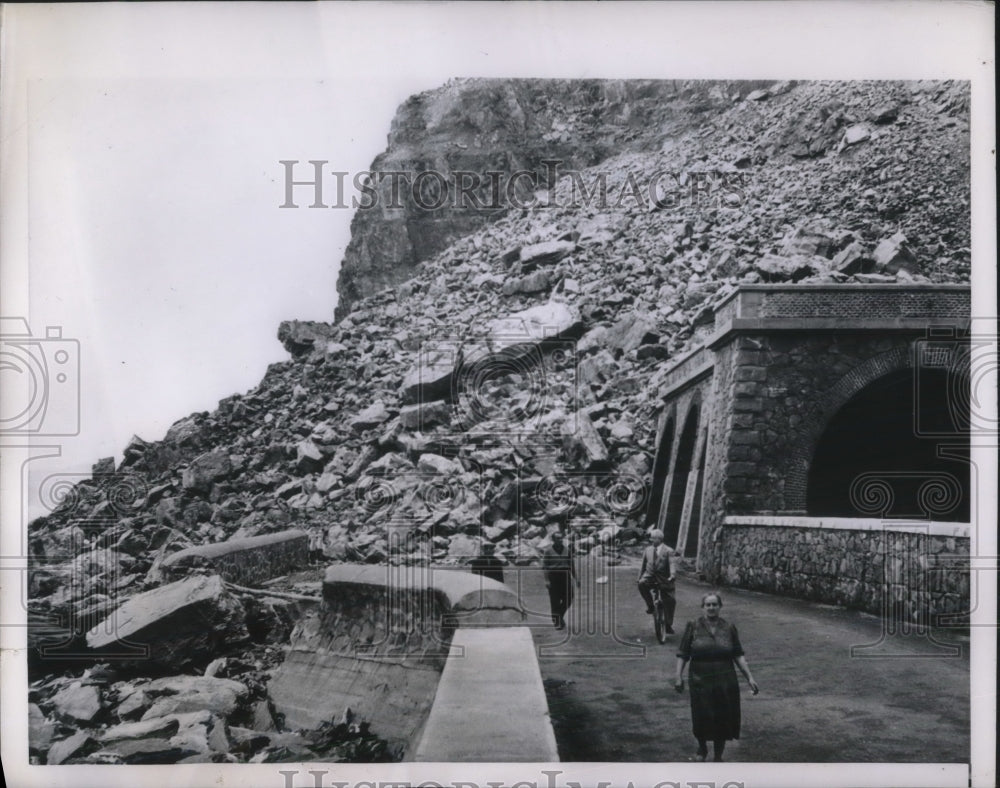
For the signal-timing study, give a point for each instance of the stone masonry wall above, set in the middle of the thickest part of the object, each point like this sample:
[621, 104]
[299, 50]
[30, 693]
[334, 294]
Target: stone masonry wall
[785, 389]
[246, 561]
[906, 575]
[721, 450]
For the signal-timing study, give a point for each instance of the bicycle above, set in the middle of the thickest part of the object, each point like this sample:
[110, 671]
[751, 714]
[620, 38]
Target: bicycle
[659, 616]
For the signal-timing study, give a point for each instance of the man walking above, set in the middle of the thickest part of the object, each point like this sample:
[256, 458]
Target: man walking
[657, 571]
[557, 563]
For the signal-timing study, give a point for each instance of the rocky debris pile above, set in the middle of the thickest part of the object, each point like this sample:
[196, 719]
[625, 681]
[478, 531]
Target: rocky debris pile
[508, 388]
[220, 716]
[469, 128]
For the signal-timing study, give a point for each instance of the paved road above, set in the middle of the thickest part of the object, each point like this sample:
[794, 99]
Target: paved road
[901, 698]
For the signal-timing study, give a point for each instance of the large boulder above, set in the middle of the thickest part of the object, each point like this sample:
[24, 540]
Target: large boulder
[544, 253]
[582, 444]
[185, 694]
[527, 329]
[66, 748]
[430, 378]
[893, 254]
[175, 625]
[78, 702]
[300, 337]
[372, 416]
[205, 469]
[631, 331]
[779, 268]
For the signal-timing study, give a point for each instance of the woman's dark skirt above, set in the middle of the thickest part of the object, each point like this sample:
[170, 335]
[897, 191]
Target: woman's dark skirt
[715, 700]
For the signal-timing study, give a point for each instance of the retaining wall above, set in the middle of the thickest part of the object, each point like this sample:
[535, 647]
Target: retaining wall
[913, 571]
[378, 645]
[246, 561]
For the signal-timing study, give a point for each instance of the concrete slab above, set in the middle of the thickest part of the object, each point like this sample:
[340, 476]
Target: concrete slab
[490, 704]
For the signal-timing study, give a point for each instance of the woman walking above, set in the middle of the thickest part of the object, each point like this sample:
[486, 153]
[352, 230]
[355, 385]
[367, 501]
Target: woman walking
[712, 646]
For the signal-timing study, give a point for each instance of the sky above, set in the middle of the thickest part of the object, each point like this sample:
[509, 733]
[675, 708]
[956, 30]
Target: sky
[140, 177]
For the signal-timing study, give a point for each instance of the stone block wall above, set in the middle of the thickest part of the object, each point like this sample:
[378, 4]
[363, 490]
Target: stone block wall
[784, 389]
[246, 561]
[844, 302]
[914, 573]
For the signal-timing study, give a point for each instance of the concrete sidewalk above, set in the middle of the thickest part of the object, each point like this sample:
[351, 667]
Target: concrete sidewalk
[834, 686]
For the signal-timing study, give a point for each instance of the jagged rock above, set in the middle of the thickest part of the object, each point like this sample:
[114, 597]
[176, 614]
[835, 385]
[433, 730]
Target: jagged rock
[433, 463]
[263, 720]
[885, 113]
[855, 134]
[893, 254]
[659, 352]
[301, 337]
[582, 444]
[622, 431]
[66, 748]
[289, 489]
[630, 332]
[875, 279]
[180, 623]
[536, 282]
[809, 242]
[194, 693]
[326, 482]
[526, 329]
[103, 467]
[132, 703]
[143, 751]
[134, 451]
[40, 728]
[425, 415]
[431, 378]
[463, 546]
[853, 259]
[774, 268]
[78, 702]
[308, 457]
[205, 470]
[183, 432]
[544, 253]
[372, 416]
[164, 727]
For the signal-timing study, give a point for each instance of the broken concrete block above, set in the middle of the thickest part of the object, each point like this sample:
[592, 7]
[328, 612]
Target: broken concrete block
[180, 623]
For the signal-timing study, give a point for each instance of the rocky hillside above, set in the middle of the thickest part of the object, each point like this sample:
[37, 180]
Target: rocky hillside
[501, 126]
[508, 386]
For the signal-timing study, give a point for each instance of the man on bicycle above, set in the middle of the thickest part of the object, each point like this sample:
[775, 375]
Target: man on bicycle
[657, 572]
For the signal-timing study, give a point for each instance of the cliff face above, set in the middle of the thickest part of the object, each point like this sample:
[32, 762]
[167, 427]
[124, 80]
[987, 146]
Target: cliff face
[476, 134]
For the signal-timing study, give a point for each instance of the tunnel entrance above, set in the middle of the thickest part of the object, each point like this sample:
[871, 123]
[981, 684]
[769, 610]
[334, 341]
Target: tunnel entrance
[660, 470]
[879, 455]
[679, 483]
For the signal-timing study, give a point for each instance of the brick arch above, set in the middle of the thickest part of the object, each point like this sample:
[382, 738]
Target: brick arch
[832, 400]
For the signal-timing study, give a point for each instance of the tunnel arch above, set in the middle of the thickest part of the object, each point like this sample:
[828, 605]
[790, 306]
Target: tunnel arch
[679, 477]
[661, 470]
[871, 460]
